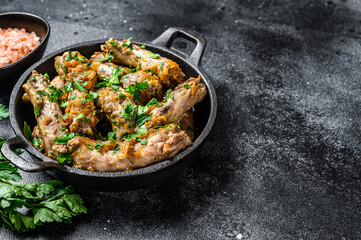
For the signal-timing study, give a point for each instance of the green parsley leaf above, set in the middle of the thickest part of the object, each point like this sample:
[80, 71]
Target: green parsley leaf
[129, 136]
[92, 96]
[69, 57]
[108, 58]
[82, 116]
[4, 112]
[141, 86]
[98, 145]
[80, 87]
[153, 55]
[27, 132]
[128, 44]
[129, 111]
[186, 86]
[144, 141]
[37, 111]
[161, 66]
[17, 150]
[90, 147]
[36, 142]
[69, 86]
[73, 97]
[62, 128]
[167, 93]
[142, 46]
[111, 136]
[141, 119]
[122, 96]
[66, 158]
[64, 105]
[113, 44]
[46, 75]
[116, 148]
[65, 138]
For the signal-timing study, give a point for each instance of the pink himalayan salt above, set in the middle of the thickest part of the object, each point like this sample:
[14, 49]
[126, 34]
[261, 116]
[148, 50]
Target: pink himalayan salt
[15, 44]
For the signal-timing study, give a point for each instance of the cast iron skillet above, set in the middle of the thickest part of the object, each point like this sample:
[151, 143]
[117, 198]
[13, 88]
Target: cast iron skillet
[205, 114]
[32, 23]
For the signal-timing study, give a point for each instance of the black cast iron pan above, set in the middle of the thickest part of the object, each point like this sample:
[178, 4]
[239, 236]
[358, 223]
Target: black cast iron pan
[205, 114]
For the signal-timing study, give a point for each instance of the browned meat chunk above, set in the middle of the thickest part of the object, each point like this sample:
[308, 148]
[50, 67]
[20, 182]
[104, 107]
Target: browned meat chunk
[129, 54]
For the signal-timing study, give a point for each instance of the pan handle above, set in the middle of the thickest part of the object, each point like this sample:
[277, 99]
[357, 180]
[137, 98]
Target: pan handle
[166, 40]
[15, 142]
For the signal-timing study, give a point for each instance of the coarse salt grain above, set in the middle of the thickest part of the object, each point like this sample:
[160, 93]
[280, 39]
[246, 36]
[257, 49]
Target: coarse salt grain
[15, 44]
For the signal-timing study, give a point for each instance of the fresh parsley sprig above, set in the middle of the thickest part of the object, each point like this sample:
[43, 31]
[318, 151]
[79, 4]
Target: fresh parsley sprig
[50, 201]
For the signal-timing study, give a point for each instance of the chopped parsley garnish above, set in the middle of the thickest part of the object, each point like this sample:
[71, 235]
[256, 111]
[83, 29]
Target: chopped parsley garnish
[73, 97]
[69, 86]
[65, 138]
[116, 148]
[64, 105]
[161, 66]
[27, 132]
[36, 142]
[128, 43]
[55, 115]
[92, 96]
[141, 119]
[153, 55]
[69, 57]
[129, 111]
[111, 136]
[136, 88]
[55, 93]
[113, 44]
[108, 58]
[122, 96]
[98, 145]
[90, 147]
[66, 158]
[115, 123]
[62, 128]
[138, 67]
[4, 112]
[143, 141]
[186, 86]
[82, 116]
[46, 75]
[80, 87]
[129, 136]
[167, 93]
[17, 150]
[37, 111]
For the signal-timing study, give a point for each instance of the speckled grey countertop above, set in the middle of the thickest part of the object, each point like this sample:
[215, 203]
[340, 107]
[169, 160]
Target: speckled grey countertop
[283, 161]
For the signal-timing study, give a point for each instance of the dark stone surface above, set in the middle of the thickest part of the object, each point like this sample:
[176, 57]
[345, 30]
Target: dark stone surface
[283, 161]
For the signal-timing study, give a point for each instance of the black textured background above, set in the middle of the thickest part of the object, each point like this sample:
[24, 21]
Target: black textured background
[283, 159]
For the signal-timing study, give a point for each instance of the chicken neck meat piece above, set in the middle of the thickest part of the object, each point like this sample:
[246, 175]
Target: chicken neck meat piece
[184, 96]
[47, 112]
[130, 54]
[80, 81]
[114, 108]
[163, 143]
[106, 69]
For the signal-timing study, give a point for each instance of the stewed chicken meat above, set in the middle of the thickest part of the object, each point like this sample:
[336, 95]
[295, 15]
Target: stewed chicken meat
[122, 109]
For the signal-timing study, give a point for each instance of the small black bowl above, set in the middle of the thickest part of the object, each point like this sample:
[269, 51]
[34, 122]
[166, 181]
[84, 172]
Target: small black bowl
[9, 74]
